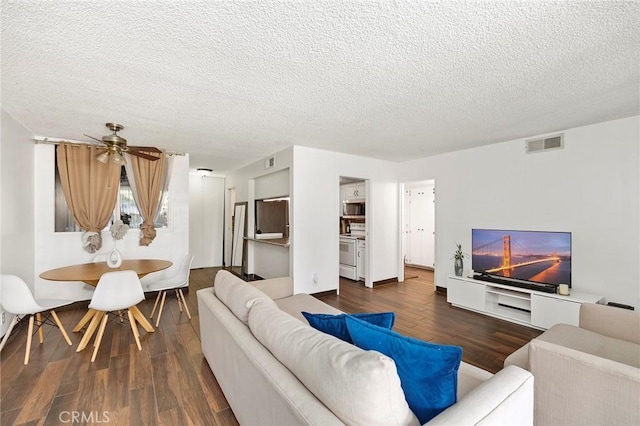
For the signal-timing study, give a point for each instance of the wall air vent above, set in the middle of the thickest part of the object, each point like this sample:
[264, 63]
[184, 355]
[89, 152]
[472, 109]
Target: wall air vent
[269, 162]
[545, 144]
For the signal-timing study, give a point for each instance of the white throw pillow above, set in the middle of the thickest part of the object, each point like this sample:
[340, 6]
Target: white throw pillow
[237, 295]
[359, 387]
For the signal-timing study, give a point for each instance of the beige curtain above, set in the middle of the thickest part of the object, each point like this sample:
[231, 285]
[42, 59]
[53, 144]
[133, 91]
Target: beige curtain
[90, 188]
[147, 185]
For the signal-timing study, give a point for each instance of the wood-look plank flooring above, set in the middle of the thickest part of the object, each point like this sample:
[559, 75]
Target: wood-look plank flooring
[423, 313]
[169, 382]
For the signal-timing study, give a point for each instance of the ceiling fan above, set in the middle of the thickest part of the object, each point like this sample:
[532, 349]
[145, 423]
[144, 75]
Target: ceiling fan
[117, 145]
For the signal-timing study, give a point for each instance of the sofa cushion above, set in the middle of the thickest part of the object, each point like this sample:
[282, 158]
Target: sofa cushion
[593, 343]
[335, 325]
[275, 288]
[611, 321]
[470, 377]
[294, 305]
[519, 358]
[237, 294]
[359, 387]
[428, 372]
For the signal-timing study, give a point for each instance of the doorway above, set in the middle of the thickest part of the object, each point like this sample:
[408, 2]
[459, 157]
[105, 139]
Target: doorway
[353, 231]
[418, 226]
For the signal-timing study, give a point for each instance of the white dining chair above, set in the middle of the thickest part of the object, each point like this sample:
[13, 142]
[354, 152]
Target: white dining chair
[116, 291]
[18, 300]
[177, 283]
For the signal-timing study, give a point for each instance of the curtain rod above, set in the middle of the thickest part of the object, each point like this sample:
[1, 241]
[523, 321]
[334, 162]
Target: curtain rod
[52, 141]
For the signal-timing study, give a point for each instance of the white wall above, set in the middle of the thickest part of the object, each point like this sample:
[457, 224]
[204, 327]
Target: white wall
[57, 249]
[17, 208]
[316, 212]
[590, 188]
[206, 215]
[273, 185]
[270, 261]
[252, 182]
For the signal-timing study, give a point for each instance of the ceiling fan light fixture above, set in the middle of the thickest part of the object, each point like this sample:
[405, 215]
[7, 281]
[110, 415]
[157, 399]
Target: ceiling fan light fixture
[103, 157]
[115, 146]
[203, 171]
[117, 158]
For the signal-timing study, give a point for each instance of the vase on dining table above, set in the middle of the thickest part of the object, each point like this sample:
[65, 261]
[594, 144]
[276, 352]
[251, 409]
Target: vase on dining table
[114, 258]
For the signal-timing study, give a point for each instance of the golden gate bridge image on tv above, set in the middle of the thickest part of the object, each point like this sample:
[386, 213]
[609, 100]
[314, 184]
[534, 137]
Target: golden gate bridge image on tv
[508, 257]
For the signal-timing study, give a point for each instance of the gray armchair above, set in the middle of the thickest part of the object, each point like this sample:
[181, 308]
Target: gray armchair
[588, 374]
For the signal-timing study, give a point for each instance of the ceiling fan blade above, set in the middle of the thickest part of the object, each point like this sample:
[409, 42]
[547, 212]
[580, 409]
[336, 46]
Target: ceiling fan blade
[145, 149]
[95, 139]
[143, 155]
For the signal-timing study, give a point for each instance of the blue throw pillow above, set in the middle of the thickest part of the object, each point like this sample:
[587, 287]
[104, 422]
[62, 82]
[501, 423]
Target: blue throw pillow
[428, 372]
[335, 324]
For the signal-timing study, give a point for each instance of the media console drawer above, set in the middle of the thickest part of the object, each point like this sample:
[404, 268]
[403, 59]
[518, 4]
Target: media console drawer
[523, 306]
[467, 294]
[547, 311]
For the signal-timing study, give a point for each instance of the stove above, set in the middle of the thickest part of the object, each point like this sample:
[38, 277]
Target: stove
[358, 230]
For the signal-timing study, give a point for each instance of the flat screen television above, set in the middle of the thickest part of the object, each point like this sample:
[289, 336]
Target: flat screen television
[535, 256]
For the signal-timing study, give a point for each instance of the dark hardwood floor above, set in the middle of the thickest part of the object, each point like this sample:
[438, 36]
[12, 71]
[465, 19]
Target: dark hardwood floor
[169, 381]
[425, 314]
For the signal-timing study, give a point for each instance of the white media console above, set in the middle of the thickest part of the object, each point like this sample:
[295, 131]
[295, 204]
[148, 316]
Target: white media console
[523, 306]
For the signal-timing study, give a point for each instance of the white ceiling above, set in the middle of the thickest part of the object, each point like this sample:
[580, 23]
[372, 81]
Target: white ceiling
[232, 82]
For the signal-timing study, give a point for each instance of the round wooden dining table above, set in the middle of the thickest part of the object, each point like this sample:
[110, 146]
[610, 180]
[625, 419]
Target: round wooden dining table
[90, 273]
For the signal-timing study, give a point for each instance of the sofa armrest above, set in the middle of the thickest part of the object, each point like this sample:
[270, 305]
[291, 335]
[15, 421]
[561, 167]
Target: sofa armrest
[574, 387]
[275, 288]
[613, 322]
[506, 398]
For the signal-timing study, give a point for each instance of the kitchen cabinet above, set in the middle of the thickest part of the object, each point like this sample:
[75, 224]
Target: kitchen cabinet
[352, 191]
[361, 263]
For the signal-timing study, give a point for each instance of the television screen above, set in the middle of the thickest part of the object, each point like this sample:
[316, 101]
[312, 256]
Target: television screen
[537, 256]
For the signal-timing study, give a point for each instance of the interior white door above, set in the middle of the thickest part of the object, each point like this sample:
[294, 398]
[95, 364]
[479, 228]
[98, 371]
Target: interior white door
[406, 226]
[420, 225]
[419, 207]
[429, 233]
[206, 218]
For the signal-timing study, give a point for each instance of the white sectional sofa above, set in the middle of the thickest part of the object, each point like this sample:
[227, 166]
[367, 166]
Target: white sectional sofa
[274, 369]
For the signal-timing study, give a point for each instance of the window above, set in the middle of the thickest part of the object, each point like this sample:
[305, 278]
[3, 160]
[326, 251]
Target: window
[126, 208]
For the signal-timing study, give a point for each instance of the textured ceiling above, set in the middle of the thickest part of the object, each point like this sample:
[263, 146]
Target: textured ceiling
[232, 82]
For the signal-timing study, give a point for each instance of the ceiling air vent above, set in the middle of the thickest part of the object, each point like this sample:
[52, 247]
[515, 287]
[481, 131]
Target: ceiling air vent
[546, 144]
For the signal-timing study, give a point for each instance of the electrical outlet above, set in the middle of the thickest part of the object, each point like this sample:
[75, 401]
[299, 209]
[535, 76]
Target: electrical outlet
[315, 278]
[2, 319]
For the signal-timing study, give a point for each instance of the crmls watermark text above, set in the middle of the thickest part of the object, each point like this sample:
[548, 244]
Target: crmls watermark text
[83, 417]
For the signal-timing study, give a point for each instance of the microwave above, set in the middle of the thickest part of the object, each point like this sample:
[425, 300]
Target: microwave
[353, 209]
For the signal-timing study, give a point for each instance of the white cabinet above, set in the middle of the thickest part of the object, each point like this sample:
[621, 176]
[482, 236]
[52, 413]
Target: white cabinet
[362, 262]
[466, 294]
[527, 307]
[352, 191]
[547, 311]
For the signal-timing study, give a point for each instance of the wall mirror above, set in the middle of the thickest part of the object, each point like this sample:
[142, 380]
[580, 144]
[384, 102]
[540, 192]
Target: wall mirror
[238, 241]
